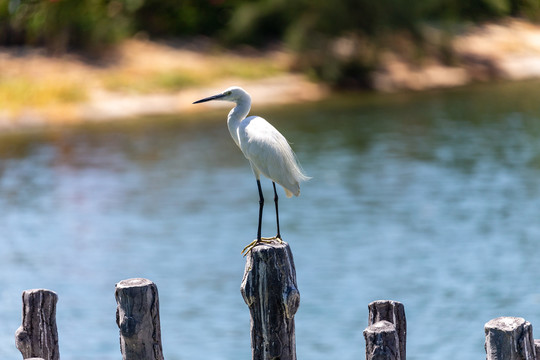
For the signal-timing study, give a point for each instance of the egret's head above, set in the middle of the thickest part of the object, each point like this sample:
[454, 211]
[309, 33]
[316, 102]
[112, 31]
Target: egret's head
[234, 94]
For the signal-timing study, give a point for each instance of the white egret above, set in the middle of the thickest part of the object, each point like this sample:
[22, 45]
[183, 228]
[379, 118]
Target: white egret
[267, 150]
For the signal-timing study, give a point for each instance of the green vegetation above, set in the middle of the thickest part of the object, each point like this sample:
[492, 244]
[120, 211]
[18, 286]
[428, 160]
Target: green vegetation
[149, 81]
[17, 93]
[39, 82]
[65, 24]
[339, 40]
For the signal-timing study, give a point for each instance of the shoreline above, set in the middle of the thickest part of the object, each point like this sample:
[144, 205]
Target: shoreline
[107, 106]
[509, 51]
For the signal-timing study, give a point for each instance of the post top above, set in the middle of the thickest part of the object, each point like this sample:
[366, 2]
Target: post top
[380, 326]
[384, 302]
[34, 291]
[505, 323]
[135, 282]
[274, 244]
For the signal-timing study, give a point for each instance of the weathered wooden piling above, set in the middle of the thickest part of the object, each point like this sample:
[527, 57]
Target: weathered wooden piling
[393, 312]
[38, 336]
[509, 338]
[382, 341]
[270, 291]
[537, 348]
[137, 317]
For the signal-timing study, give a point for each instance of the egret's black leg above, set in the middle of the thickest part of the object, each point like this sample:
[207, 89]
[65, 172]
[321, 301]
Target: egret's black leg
[276, 198]
[261, 205]
[260, 239]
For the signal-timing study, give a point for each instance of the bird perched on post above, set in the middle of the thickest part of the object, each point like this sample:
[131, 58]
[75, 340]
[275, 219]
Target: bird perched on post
[267, 150]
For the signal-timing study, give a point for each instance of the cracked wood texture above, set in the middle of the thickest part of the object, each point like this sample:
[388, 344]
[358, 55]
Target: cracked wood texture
[393, 312]
[37, 337]
[137, 317]
[269, 289]
[509, 338]
[382, 341]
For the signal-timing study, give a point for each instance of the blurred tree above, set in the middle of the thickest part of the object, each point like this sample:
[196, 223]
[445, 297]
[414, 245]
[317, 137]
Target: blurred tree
[338, 40]
[168, 18]
[257, 22]
[64, 24]
[87, 23]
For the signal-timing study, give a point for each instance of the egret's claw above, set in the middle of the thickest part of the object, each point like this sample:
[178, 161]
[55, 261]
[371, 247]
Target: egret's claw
[277, 238]
[255, 242]
[248, 247]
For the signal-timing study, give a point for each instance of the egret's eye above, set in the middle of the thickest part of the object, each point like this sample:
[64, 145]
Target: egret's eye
[228, 93]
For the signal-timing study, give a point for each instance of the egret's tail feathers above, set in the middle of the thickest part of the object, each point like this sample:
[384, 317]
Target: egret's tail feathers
[303, 177]
[296, 176]
[293, 185]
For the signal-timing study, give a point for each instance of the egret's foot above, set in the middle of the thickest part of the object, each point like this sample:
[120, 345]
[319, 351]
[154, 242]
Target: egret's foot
[256, 242]
[277, 238]
[248, 247]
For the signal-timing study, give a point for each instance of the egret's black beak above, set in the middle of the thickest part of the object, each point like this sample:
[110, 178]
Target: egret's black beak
[214, 97]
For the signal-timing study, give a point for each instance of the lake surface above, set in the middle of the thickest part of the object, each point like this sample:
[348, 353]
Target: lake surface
[430, 199]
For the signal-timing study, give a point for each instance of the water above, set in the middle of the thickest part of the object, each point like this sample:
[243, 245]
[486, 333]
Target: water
[428, 199]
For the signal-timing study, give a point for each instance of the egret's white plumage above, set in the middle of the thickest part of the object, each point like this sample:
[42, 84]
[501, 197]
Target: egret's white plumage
[262, 144]
[269, 153]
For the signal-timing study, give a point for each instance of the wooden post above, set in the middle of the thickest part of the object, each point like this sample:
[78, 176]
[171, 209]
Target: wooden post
[509, 338]
[269, 289]
[37, 336]
[394, 312]
[137, 317]
[382, 342]
[537, 348]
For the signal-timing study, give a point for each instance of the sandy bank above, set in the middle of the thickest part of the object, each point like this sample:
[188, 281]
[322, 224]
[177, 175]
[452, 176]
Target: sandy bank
[133, 80]
[509, 50]
[283, 89]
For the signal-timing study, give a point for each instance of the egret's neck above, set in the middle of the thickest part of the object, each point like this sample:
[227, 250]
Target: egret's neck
[236, 115]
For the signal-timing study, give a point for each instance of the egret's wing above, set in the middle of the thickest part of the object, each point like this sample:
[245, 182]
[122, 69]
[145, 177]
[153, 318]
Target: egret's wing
[270, 153]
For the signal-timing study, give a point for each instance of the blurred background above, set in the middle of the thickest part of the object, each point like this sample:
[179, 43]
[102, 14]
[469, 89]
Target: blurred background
[419, 123]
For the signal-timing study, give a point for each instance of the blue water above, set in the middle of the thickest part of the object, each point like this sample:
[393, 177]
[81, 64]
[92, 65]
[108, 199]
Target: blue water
[428, 199]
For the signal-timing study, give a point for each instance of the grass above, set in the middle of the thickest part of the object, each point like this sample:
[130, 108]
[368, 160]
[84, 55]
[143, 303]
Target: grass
[144, 83]
[42, 82]
[17, 93]
[249, 68]
[175, 79]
